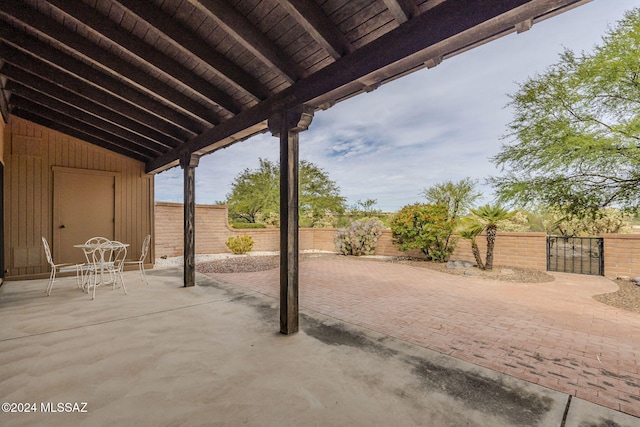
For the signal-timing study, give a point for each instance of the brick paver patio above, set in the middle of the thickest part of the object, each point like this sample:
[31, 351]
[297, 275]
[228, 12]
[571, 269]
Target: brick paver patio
[553, 334]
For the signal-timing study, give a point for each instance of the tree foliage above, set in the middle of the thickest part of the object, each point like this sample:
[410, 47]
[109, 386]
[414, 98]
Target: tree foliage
[575, 137]
[319, 195]
[458, 196]
[364, 209]
[255, 194]
[426, 227]
[606, 220]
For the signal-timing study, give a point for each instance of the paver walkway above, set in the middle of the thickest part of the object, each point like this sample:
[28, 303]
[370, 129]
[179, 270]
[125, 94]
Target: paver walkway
[553, 334]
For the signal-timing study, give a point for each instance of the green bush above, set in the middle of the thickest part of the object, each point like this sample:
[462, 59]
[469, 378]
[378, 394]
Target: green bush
[360, 238]
[426, 227]
[247, 225]
[240, 244]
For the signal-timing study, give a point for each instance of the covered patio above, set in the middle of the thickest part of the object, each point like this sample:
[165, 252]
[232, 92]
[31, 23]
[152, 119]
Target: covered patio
[161, 84]
[111, 92]
[210, 355]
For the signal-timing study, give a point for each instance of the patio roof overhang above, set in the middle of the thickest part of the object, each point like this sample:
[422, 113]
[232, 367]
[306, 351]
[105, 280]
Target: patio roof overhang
[153, 80]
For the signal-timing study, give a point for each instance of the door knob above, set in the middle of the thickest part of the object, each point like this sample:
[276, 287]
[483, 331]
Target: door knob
[63, 226]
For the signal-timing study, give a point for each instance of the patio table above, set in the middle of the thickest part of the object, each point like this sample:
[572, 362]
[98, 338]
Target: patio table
[104, 261]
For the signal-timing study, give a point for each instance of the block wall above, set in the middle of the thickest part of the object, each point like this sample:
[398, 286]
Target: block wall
[525, 250]
[212, 231]
[622, 255]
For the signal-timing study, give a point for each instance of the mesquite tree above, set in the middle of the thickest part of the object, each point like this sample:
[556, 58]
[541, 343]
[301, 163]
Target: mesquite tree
[574, 141]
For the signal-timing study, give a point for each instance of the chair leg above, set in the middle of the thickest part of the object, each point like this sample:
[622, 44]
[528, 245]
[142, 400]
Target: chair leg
[52, 278]
[124, 288]
[91, 283]
[144, 274]
[80, 276]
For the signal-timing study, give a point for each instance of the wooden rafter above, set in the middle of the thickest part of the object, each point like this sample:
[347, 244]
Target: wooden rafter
[311, 17]
[402, 10]
[54, 110]
[437, 28]
[88, 17]
[95, 85]
[195, 76]
[53, 121]
[104, 59]
[187, 41]
[67, 102]
[250, 38]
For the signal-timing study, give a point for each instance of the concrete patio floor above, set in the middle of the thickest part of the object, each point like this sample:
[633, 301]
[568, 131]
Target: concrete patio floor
[211, 355]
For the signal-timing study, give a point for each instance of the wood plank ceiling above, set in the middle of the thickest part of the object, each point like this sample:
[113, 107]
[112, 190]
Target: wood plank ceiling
[155, 79]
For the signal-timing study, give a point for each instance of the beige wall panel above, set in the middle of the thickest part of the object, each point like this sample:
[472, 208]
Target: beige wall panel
[30, 153]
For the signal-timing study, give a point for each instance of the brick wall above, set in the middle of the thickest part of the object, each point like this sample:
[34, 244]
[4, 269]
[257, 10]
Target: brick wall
[213, 230]
[526, 250]
[622, 255]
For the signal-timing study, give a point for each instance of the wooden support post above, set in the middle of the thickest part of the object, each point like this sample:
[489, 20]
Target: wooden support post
[287, 126]
[188, 163]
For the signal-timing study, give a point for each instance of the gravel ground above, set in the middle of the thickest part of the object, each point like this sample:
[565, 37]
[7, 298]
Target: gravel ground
[626, 298]
[246, 264]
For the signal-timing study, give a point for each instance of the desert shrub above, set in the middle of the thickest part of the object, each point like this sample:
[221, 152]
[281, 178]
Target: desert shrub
[240, 244]
[359, 238]
[426, 227]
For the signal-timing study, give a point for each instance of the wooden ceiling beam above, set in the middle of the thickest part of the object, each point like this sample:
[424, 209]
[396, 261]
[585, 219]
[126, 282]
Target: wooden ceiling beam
[55, 122]
[313, 20]
[50, 84]
[61, 100]
[188, 42]
[55, 100]
[246, 34]
[94, 85]
[88, 17]
[46, 27]
[402, 10]
[438, 27]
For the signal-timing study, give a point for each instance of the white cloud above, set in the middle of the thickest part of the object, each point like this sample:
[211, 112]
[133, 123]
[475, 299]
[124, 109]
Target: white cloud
[431, 126]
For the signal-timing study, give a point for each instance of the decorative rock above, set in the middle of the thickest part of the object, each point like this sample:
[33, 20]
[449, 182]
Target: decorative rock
[636, 280]
[469, 272]
[454, 264]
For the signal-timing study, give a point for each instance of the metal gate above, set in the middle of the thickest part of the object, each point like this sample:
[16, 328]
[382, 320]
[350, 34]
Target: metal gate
[582, 255]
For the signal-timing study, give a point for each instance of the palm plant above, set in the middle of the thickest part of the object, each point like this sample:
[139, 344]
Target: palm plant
[470, 228]
[490, 216]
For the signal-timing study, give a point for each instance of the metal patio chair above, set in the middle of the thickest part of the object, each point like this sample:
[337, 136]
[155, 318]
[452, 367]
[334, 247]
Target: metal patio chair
[57, 267]
[143, 255]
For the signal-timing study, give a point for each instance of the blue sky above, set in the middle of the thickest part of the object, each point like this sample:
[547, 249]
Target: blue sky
[432, 126]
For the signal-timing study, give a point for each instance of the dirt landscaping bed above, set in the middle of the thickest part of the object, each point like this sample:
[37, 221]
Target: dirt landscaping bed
[627, 297]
